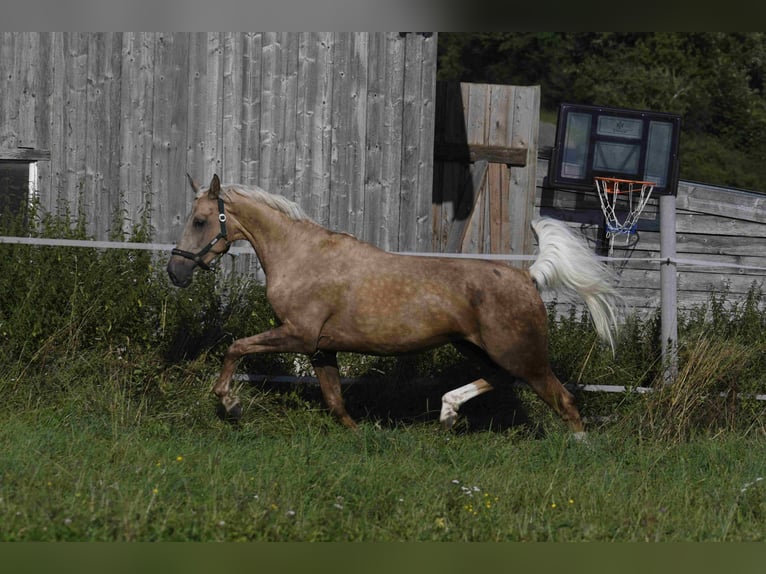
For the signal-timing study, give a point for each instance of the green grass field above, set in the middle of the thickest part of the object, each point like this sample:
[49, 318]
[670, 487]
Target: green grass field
[91, 461]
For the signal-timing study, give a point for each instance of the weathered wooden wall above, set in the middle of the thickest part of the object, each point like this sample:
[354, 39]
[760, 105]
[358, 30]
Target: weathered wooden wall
[342, 123]
[713, 224]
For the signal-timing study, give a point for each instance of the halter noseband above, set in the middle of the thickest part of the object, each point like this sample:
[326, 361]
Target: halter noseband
[197, 257]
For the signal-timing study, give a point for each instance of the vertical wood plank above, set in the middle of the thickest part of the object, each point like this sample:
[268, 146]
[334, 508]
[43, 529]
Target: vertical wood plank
[417, 122]
[392, 137]
[428, 61]
[251, 107]
[277, 145]
[497, 119]
[43, 89]
[437, 206]
[308, 47]
[44, 98]
[204, 117]
[28, 58]
[231, 135]
[348, 121]
[214, 106]
[50, 201]
[313, 131]
[136, 108]
[340, 119]
[271, 52]
[375, 215]
[287, 117]
[75, 120]
[9, 102]
[97, 128]
[171, 198]
[380, 224]
[196, 111]
[526, 116]
[476, 101]
[102, 136]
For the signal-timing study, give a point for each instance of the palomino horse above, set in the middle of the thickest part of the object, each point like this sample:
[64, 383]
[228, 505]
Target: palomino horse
[332, 292]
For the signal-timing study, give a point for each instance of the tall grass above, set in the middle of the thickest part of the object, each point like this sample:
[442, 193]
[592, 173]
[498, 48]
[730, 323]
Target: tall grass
[108, 430]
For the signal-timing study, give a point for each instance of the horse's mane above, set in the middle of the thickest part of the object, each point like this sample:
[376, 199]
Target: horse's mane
[289, 208]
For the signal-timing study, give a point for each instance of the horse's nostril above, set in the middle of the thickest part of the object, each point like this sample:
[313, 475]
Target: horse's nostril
[172, 275]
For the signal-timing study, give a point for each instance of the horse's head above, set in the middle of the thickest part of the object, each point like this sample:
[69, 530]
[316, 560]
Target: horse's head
[204, 237]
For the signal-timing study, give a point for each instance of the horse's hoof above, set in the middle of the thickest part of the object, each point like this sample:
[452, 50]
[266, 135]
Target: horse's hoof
[234, 413]
[231, 414]
[448, 417]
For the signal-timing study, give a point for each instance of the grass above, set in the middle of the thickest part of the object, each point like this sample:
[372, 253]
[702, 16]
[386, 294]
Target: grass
[94, 461]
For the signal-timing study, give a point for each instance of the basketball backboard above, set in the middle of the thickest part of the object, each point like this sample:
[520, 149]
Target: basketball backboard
[614, 142]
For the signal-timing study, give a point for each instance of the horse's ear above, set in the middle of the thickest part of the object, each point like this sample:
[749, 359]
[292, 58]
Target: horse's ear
[194, 185]
[215, 187]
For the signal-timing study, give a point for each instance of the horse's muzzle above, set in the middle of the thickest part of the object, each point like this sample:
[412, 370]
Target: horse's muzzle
[180, 271]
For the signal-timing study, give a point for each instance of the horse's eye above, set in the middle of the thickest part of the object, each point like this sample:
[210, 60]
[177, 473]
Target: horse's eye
[199, 223]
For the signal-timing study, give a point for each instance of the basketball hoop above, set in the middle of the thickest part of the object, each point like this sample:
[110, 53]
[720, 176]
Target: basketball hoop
[633, 196]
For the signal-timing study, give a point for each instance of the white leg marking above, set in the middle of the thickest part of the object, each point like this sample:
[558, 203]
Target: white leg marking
[229, 402]
[453, 400]
[580, 436]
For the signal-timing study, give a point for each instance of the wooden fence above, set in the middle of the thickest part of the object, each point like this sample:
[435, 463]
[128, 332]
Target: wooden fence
[342, 123]
[722, 229]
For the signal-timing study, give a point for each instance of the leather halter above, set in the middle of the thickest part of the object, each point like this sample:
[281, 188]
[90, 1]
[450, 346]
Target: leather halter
[197, 257]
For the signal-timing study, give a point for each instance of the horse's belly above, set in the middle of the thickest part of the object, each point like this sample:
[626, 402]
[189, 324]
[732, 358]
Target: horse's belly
[387, 340]
[394, 317]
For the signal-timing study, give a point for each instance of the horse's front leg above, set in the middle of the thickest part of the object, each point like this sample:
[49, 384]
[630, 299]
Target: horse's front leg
[325, 365]
[279, 340]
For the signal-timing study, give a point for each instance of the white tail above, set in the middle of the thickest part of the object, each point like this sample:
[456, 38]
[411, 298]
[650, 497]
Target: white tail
[565, 261]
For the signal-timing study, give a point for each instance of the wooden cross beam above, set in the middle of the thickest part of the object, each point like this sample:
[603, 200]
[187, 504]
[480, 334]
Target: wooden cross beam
[471, 153]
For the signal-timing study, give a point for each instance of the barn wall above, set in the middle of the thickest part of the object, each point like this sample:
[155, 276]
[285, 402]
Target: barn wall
[342, 123]
[714, 224]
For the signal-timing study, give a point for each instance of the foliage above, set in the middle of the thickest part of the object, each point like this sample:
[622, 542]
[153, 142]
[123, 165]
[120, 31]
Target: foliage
[714, 80]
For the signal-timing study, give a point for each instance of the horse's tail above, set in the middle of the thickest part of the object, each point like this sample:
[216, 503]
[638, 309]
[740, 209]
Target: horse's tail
[565, 262]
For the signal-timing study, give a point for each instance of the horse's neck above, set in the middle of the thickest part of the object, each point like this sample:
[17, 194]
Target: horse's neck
[275, 236]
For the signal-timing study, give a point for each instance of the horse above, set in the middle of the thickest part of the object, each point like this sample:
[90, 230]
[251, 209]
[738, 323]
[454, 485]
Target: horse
[332, 292]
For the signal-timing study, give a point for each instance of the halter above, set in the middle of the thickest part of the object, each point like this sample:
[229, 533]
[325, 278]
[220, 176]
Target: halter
[197, 257]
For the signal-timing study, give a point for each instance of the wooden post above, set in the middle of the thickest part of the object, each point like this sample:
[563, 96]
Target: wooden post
[668, 288]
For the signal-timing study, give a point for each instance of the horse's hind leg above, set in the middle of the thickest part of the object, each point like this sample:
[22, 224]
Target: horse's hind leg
[326, 367]
[518, 344]
[453, 400]
[552, 392]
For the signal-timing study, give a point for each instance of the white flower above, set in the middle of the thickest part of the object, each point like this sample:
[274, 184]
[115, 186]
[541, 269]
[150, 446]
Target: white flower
[749, 484]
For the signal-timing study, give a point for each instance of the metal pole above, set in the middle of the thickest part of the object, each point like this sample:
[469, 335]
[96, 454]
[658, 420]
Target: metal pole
[668, 287]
